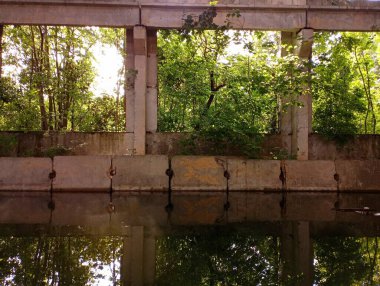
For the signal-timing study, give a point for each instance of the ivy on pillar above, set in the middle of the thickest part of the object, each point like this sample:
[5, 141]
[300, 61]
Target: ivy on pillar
[296, 120]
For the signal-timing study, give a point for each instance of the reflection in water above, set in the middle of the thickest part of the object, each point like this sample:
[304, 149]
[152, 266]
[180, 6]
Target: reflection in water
[61, 260]
[218, 257]
[347, 261]
[193, 257]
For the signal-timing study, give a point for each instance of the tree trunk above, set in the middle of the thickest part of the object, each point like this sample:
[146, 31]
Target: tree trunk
[1, 49]
[41, 81]
[37, 65]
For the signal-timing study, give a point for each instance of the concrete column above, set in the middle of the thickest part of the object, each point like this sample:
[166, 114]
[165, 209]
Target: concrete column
[141, 85]
[296, 254]
[151, 102]
[296, 120]
[129, 86]
[139, 258]
[140, 50]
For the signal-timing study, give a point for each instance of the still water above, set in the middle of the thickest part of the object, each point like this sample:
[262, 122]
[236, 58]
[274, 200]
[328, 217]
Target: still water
[208, 256]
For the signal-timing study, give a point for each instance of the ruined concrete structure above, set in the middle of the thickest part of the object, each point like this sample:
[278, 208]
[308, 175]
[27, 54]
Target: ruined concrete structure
[296, 198]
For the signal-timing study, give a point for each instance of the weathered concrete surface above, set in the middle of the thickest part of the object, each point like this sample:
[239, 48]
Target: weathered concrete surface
[25, 174]
[64, 14]
[255, 14]
[152, 93]
[194, 173]
[358, 175]
[82, 173]
[140, 173]
[190, 173]
[141, 61]
[258, 175]
[120, 143]
[360, 147]
[310, 175]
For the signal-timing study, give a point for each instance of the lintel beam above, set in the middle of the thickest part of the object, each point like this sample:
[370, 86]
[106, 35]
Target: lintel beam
[255, 16]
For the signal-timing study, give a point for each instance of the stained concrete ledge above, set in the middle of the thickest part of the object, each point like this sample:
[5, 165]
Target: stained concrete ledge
[140, 173]
[358, 175]
[25, 174]
[82, 173]
[198, 173]
[310, 175]
[247, 175]
[190, 174]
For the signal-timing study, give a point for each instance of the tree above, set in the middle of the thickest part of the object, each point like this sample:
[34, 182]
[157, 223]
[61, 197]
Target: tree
[336, 105]
[52, 63]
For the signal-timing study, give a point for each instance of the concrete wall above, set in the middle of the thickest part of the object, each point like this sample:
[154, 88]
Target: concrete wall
[138, 186]
[75, 143]
[190, 173]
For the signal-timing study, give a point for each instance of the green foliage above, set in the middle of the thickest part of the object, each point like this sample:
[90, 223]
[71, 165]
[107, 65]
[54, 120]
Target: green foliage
[55, 261]
[217, 257]
[52, 75]
[101, 114]
[8, 143]
[344, 84]
[224, 100]
[339, 261]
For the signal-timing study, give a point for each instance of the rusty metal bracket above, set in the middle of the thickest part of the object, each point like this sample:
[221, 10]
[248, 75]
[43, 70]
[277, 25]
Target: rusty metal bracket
[51, 204]
[170, 173]
[227, 204]
[111, 174]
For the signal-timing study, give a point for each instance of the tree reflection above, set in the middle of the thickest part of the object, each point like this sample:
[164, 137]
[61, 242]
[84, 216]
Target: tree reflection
[218, 257]
[60, 260]
[228, 257]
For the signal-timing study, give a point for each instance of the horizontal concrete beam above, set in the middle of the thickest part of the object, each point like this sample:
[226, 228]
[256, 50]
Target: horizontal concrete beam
[190, 174]
[255, 14]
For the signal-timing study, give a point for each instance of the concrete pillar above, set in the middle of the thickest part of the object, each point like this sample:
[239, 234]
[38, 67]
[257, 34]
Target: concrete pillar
[140, 49]
[129, 86]
[139, 258]
[151, 102]
[296, 254]
[141, 85]
[296, 120]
